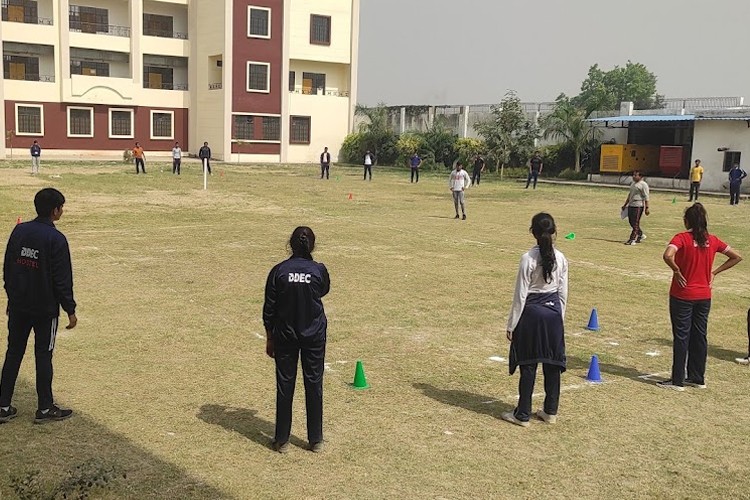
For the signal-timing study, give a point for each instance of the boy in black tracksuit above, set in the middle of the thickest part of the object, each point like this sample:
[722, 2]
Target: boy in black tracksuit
[204, 154]
[295, 322]
[38, 279]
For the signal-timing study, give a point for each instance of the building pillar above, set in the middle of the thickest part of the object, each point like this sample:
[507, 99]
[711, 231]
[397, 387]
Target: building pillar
[136, 32]
[402, 123]
[465, 131]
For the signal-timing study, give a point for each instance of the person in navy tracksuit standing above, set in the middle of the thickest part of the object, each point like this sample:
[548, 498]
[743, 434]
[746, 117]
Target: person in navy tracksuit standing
[38, 278]
[295, 323]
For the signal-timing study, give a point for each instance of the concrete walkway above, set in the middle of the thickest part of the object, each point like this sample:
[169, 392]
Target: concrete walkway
[682, 192]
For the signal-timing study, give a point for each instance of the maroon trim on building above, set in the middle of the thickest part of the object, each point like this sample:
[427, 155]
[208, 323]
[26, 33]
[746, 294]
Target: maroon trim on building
[256, 148]
[245, 49]
[56, 128]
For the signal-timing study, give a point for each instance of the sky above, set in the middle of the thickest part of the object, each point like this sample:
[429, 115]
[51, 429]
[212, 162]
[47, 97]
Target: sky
[473, 51]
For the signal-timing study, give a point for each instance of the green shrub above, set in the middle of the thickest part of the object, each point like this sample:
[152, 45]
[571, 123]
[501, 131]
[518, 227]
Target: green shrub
[515, 173]
[350, 149]
[127, 156]
[570, 174]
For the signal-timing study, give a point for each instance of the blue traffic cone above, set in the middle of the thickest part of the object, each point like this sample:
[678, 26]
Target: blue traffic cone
[594, 376]
[593, 321]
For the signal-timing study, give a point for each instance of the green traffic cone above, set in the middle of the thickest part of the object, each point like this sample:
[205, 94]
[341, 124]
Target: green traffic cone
[360, 381]
[674, 200]
[570, 236]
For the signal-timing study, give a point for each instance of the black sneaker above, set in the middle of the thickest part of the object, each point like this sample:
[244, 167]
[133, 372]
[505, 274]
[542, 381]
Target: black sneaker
[693, 383]
[667, 384]
[456, 217]
[464, 217]
[54, 414]
[317, 447]
[280, 447]
[8, 415]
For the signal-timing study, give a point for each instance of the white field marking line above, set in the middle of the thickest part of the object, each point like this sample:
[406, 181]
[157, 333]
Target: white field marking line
[497, 358]
[653, 353]
[650, 376]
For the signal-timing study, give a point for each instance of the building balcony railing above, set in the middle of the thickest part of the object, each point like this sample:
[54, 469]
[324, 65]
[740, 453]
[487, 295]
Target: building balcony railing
[313, 91]
[28, 77]
[46, 21]
[166, 86]
[165, 34]
[99, 29]
[215, 86]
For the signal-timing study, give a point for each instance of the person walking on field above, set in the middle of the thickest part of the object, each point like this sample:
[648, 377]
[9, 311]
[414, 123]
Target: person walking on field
[295, 324]
[690, 256]
[536, 164]
[368, 162]
[458, 182]
[636, 203]
[38, 278]
[415, 162]
[205, 155]
[325, 162]
[140, 158]
[36, 152]
[536, 323]
[696, 176]
[735, 183]
[176, 158]
[476, 174]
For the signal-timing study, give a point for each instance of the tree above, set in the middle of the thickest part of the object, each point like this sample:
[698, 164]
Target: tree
[376, 134]
[605, 90]
[508, 133]
[569, 124]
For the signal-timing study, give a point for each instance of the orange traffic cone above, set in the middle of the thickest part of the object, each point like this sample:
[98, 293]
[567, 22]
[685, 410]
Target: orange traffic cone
[350, 196]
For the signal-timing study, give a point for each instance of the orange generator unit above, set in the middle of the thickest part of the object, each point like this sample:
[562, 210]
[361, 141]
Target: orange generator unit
[624, 158]
[671, 160]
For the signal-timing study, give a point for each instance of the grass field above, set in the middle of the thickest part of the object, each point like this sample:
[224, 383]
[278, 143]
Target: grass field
[173, 391]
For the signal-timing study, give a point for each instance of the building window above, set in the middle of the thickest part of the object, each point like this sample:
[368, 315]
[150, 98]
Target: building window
[80, 122]
[292, 81]
[258, 77]
[121, 123]
[244, 128]
[155, 77]
[29, 119]
[299, 130]
[156, 25]
[162, 124]
[271, 128]
[258, 22]
[88, 19]
[89, 68]
[320, 30]
[256, 128]
[20, 11]
[21, 68]
[730, 158]
[314, 83]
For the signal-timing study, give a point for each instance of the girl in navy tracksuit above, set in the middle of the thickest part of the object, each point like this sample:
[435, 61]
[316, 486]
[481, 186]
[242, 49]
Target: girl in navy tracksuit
[296, 323]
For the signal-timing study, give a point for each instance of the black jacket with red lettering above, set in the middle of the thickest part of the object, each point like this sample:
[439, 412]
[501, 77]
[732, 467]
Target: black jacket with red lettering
[293, 308]
[37, 271]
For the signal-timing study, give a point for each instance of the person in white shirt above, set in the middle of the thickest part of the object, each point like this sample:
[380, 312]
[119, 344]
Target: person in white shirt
[458, 181]
[176, 158]
[637, 204]
[368, 161]
[325, 162]
[535, 325]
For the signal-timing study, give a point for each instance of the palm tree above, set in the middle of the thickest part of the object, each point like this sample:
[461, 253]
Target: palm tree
[569, 124]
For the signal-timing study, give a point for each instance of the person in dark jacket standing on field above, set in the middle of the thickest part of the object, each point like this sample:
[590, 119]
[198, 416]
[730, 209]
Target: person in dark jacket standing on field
[38, 278]
[368, 161]
[295, 323]
[205, 155]
[736, 174]
[536, 164]
[36, 152]
[325, 162]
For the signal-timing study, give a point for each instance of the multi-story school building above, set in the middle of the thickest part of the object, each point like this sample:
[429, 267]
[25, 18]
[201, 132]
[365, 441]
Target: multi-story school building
[259, 80]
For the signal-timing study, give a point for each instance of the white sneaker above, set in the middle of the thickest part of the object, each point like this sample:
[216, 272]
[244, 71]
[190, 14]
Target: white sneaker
[643, 236]
[690, 383]
[743, 361]
[509, 417]
[550, 419]
[667, 384]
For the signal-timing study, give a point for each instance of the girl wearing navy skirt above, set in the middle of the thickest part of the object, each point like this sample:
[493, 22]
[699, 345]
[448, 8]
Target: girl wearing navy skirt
[535, 326]
[296, 326]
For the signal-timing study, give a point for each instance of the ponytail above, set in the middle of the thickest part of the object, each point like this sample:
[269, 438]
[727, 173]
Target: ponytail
[696, 219]
[543, 228]
[302, 242]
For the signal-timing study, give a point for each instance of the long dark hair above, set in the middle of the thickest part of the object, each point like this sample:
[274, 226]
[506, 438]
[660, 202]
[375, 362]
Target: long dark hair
[543, 228]
[696, 219]
[302, 242]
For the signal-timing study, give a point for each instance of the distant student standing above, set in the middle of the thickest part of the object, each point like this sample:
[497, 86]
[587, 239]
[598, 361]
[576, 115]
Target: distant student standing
[536, 164]
[368, 162]
[746, 359]
[176, 158]
[696, 176]
[36, 152]
[295, 324]
[458, 182]
[325, 162]
[735, 183]
[205, 155]
[415, 162]
[140, 157]
[637, 204]
[476, 174]
[536, 322]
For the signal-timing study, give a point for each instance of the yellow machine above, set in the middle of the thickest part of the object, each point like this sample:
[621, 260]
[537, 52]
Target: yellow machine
[623, 158]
